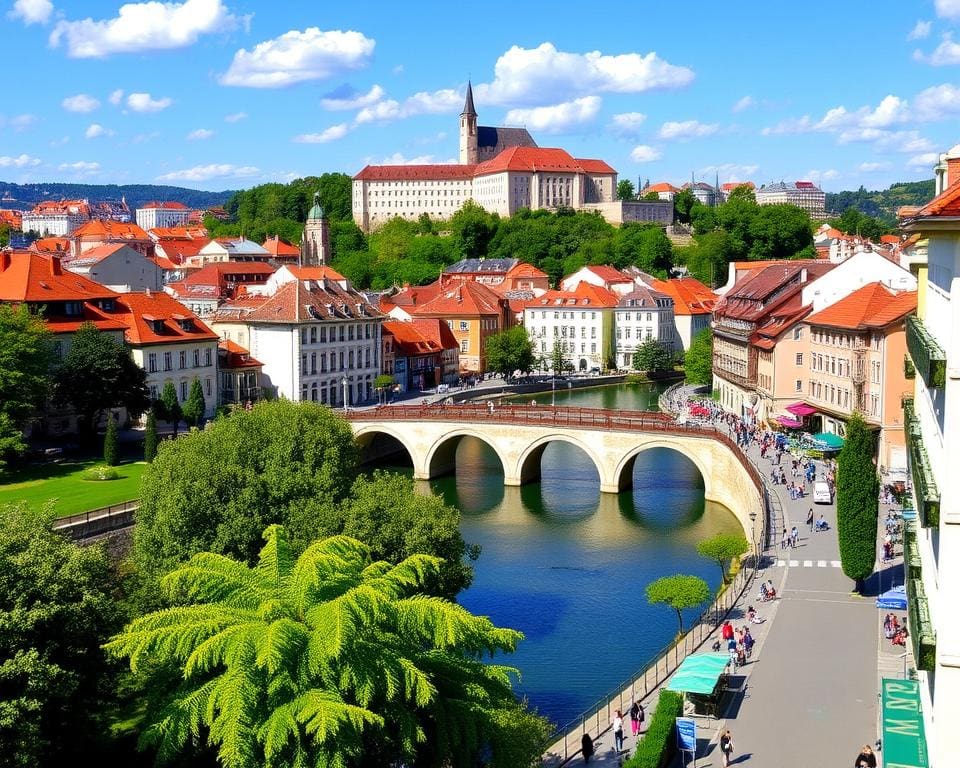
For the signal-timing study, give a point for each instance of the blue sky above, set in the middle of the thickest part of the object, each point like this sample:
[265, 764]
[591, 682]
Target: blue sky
[216, 94]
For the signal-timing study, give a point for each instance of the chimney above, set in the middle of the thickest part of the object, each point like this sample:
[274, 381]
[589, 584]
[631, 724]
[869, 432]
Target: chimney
[803, 275]
[953, 169]
[55, 268]
[4, 260]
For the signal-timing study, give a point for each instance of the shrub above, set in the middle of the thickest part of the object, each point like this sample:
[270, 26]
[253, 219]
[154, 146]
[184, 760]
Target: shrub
[150, 438]
[111, 447]
[658, 744]
[101, 472]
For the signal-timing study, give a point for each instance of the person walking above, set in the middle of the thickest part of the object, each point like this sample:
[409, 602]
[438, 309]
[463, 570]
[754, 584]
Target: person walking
[618, 731]
[794, 537]
[635, 718]
[726, 748]
[586, 747]
[866, 758]
[810, 519]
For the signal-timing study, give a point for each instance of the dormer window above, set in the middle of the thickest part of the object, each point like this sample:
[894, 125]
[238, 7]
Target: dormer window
[73, 308]
[107, 305]
[185, 322]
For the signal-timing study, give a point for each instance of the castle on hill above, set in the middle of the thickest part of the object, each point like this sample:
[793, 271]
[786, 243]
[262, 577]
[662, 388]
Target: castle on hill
[501, 169]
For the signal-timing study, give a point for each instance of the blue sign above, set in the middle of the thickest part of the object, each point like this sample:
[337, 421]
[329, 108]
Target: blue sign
[686, 734]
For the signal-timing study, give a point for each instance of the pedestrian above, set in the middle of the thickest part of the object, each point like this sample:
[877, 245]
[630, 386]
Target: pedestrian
[810, 519]
[641, 717]
[726, 748]
[794, 537]
[586, 747]
[618, 732]
[783, 539]
[634, 718]
[866, 758]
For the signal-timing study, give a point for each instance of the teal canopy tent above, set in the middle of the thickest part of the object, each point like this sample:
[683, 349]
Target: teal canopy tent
[831, 441]
[699, 674]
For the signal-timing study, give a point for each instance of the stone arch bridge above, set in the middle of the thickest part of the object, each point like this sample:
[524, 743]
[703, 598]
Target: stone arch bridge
[519, 434]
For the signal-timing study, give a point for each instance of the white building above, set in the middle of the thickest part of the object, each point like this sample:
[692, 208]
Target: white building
[52, 223]
[703, 192]
[580, 322]
[803, 194]
[860, 269]
[225, 249]
[118, 267]
[165, 214]
[642, 315]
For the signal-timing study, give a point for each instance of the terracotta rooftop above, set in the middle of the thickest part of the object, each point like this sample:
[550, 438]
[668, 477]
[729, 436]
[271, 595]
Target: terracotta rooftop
[295, 302]
[409, 340]
[585, 296]
[98, 253]
[662, 186]
[412, 172]
[168, 204]
[465, 298]
[690, 296]
[158, 318]
[51, 245]
[35, 277]
[414, 295]
[107, 228]
[732, 185]
[281, 248]
[609, 274]
[535, 159]
[872, 306]
[947, 203]
[314, 273]
[234, 356]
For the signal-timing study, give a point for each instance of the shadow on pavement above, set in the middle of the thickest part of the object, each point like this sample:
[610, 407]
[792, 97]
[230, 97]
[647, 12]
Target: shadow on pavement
[884, 579]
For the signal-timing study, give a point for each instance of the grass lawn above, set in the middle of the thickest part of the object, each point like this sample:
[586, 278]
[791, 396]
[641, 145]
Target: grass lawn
[63, 481]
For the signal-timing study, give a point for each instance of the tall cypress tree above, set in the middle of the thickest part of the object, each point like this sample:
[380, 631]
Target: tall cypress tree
[150, 437]
[111, 446]
[858, 491]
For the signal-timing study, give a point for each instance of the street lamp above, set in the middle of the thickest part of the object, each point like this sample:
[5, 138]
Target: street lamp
[753, 539]
[346, 397]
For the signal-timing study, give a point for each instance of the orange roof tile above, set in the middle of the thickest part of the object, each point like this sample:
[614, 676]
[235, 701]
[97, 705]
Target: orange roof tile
[98, 253]
[281, 248]
[872, 306]
[662, 186]
[522, 269]
[409, 339]
[462, 299]
[315, 273]
[732, 185]
[947, 203]
[236, 356]
[51, 245]
[12, 218]
[437, 331]
[415, 295]
[158, 318]
[585, 296]
[36, 277]
[168, 204]
[690, 296]
[609, 274]
[402, 172]
[107, 228]
[538, 159]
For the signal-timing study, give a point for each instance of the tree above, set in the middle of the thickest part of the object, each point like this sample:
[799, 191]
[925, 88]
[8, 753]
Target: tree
[510, 351]
[56, 609]
[723, 547]
[195, 406]
[625, 190]
[651, 355]
[683, 204]
[679, 592]
[382, 383]
[698, 360]
[111, 448]
[858, 491]
[169, 406]
[329, 658]
[25, 358]
[98, 373]
[216, 489]
[557, 360]
[150, 437]
[472, 229]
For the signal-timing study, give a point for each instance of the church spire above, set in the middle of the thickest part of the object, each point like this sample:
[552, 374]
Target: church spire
[468, 108]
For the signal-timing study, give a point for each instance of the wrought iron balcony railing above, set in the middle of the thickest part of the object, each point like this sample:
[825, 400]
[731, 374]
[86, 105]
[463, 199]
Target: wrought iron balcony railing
[924, 484]
[927, 355]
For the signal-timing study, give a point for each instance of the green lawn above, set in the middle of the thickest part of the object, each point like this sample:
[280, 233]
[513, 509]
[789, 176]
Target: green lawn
[63, 481]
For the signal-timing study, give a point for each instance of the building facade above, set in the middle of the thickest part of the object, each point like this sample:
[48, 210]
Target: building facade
[580, 323]
[162, 214]
[803, 194]
[119, 267]
[642, 315]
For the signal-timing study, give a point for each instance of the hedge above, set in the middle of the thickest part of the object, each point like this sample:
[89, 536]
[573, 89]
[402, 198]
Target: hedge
[658, 744]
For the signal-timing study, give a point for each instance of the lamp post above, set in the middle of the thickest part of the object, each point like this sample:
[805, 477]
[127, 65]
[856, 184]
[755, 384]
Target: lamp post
[346, 396]
[753, 539]
[553, 392]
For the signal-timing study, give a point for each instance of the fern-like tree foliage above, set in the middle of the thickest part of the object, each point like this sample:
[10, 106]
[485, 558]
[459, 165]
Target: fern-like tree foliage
[329, 659]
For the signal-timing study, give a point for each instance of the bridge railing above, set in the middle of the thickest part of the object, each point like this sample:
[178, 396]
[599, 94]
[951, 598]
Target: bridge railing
[98, 521]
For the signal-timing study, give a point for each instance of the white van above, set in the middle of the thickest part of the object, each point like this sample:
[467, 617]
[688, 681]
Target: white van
[821, 493]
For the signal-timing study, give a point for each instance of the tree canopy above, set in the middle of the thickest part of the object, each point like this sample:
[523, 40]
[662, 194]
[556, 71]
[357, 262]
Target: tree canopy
[195, 406]
[858, 493]
[25, 358]
[99, 373]
[680, 591]
[625, 190]
[698, 360]
[723, 547]
[330, 659]
[510, 351]
[651, 355]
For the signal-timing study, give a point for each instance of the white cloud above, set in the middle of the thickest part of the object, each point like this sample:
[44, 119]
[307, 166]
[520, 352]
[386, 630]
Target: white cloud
[937, 103]
[199, 134]
[541, 76]
[18, 122]
[790, 125]
[80, 103]
[297, 57]
[557, 118]
[743, 103]
[212, 171]
[144, 102]
[436, 102]
[872, 167]
[920, 30]
[20, 161]
[348, 98]
[945, 54]
[729, 171]
[947, 9]
[96, 130]
[332, 133]
[32, 11]
[924, 160]
[81, 166]
[116, 96]
[821, 176]
[688, 129]
[628, 123]
[235, 117]
[644, 153]
[141, 27]
[398, 158]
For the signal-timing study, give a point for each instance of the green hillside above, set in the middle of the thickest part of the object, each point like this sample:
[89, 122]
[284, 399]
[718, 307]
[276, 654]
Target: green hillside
[882, 203]
[27, 195]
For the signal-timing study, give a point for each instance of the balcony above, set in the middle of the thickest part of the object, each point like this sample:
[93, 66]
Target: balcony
[928, 357]
[924, 484]
[230, 396]
[922, 635]
[911, 554]
[909, 372]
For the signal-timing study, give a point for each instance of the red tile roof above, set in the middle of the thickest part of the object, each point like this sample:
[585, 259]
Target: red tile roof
[609, 274]
[415, 295]
[177, 233]
[437, 331]
[662, 186]
[314, 273]
[179, 249]
[51, 245]
[407, 172]
[872, 306]
[409, 340]
[594, 166]
[890, 239]
[158, 318]
[217, 280]
[98, 253]
[35, 277]
[522, 269]
[690, 296]
[169, 204]
[947, 203]
[236, 357]
[281, 248]
[462, 299]
[732, 185]
[295, 302]
[585, 296]
[534, 159]
[12, 218]
[107, 228]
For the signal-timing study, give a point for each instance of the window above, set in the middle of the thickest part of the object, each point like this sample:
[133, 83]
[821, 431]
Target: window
[464, 325]
[196, 358]
[798, 386]
[303, 335]
[208, 357]
[313, 362]
[797, 333]
[151, 363]
[183, 359]
[323, 335]
[593, 348]
[313, 334]
[209, 390]
[303, 365]
[593, 333]
[799, 358]
[465, 345]
[183, 390]
[168, 361]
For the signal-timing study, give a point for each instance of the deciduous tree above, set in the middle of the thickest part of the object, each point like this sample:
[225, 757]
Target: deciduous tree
[698, 360]
[723, 548]
[651, 355]
[168, 406]
[195, 406]
[510, 351]
[858, 491]
[150, 437]
[625, 190]
[679, 592]
[25, 358]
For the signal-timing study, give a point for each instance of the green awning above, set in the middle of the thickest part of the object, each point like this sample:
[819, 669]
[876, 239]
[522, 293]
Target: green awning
[831, 441]
[699, 674]
[904, 742]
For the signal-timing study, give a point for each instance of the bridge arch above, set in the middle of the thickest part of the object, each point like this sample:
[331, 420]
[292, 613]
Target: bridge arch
[366, 437]
[527, 468]
[623, 474]
[441, 456]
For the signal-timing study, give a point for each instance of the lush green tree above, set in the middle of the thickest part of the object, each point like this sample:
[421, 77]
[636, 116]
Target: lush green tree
[683, 204]
[855, 222]
[56, 608]
[382, 384]
[510, 351]
[150, 437]
[328, 659]
[652, 196]
[723, 547]
[25, 358]
[195, 406]
[168, 406]
[680, 591]
[111, 443]
[651, 355]
[557, 360]
[98, 373]
[698, 360]
[742, 192]
[708, 257]
[472, 229]
[858, 492]
[625, 190]
[781, 232]
[218, 488]
[642, 245]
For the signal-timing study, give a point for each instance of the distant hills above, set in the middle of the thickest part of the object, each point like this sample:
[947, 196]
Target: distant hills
[25, 196]
[883, 203]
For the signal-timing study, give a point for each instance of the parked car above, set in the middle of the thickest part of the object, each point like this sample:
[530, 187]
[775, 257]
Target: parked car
[822, 493]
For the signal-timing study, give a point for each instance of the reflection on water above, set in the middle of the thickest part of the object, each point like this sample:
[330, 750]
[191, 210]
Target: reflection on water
[568, 565]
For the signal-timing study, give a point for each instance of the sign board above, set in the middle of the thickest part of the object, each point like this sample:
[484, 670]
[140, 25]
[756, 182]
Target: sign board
[904, 741]
[686, 734]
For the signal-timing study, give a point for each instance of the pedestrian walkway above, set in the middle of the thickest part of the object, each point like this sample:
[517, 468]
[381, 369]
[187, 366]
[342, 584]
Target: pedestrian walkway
[808, 563]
